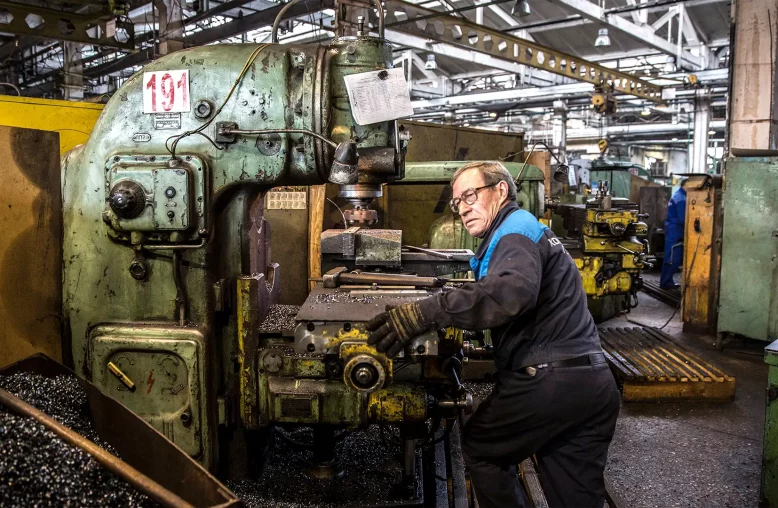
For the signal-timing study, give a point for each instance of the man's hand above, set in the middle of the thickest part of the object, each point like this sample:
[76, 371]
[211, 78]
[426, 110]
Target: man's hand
[394, 329]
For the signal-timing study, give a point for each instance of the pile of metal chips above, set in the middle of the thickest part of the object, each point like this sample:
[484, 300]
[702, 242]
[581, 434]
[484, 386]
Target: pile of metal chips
[37, 468]
[280, 319]
[371, 466]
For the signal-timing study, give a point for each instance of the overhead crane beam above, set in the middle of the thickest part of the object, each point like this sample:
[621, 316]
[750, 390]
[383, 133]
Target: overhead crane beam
[437, 26]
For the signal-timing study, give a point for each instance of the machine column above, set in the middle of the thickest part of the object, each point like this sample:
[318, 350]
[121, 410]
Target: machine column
[73, 69]
[171, 26]
[701, 127]
[753, 123]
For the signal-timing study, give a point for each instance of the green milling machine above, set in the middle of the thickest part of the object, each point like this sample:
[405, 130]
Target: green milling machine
[166, 268]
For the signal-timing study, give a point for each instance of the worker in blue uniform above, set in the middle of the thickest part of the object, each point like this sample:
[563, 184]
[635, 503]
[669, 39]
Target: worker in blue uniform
[674, 224]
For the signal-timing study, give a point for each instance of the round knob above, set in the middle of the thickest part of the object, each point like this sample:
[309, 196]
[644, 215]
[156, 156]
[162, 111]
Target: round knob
[127, 200]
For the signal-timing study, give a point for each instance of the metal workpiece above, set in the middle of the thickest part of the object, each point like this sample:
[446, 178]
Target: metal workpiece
[360, 248]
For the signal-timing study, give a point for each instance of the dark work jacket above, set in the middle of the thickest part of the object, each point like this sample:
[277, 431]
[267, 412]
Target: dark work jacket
[528, 292]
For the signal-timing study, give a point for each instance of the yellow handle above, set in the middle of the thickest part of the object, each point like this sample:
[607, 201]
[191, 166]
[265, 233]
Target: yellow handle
[116, 371]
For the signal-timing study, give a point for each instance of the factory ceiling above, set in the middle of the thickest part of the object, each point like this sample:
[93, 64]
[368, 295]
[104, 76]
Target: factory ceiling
[661, 41]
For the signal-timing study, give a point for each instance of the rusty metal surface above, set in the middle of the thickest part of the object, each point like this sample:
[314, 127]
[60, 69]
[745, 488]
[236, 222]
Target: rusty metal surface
[671, 297]
[140, 446]
[652, 367]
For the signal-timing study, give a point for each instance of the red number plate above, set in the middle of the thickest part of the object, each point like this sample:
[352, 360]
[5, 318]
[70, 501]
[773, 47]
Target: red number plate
[166, 91]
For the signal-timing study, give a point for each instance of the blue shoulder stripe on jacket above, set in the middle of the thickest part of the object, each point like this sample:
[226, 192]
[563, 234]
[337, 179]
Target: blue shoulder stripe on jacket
[519, 222]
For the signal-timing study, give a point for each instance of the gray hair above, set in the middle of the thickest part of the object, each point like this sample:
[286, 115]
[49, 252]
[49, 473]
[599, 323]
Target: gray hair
[492, 172]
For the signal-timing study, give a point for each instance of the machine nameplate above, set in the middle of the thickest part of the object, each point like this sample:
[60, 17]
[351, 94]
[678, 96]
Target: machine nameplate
[167, 121]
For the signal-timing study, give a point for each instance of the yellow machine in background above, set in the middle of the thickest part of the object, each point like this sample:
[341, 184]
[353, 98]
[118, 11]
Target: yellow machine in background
[73, 121]
[606, 238]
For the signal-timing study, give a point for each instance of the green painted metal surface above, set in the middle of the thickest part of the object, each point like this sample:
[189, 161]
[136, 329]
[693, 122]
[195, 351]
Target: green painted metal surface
[748, 299]
[286, 86]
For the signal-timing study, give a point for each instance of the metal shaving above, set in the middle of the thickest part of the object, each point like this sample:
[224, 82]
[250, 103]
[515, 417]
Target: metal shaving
[37, 468]
[372, 470]
[280, 319]
[330, 298]
[478, 389]
[60, 397]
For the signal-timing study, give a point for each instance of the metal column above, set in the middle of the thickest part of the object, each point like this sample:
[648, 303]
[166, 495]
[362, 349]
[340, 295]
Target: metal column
[73, 68]
[753, 115]
[701, 128]
[171, 26]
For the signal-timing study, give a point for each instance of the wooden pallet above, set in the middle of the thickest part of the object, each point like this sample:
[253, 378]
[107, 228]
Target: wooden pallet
[652, 367]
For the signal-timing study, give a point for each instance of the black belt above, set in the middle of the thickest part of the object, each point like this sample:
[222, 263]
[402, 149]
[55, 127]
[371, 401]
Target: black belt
[578, 361]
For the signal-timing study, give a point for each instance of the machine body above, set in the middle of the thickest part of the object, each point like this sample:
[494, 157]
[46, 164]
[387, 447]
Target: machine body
[166, 255]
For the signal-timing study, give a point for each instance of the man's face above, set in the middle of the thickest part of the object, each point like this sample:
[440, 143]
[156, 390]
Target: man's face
[479, 216]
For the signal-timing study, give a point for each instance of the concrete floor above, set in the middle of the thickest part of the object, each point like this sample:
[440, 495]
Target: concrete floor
[692, 454]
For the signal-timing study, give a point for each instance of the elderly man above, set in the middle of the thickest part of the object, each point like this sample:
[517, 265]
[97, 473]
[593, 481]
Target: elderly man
[554, 395]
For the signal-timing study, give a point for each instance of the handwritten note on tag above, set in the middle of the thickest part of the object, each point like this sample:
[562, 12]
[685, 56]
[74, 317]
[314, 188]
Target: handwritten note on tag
[378, 96]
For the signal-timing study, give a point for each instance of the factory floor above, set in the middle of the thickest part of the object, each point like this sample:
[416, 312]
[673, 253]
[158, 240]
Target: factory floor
[692, 454]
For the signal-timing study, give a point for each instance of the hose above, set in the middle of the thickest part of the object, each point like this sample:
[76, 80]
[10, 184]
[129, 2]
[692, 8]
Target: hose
[291, 3]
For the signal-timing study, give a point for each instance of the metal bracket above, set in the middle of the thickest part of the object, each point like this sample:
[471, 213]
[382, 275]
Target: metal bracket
[24, 19]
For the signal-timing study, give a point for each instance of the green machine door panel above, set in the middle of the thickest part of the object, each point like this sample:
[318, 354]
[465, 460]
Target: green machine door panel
[748, 303]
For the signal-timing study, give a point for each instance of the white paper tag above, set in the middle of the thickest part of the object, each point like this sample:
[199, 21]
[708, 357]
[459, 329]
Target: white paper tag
[166, 91]
[378, 96]
[110, 28]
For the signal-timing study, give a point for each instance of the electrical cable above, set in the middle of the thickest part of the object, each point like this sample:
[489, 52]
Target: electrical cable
[19, 92]
[282, 131]
[250, 60]
[686, 284]
[345, 224]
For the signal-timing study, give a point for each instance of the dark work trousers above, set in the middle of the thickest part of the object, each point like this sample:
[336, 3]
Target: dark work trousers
[565, 416]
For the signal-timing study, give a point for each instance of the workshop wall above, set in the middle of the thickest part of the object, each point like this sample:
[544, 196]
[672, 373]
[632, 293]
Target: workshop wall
[31, 244]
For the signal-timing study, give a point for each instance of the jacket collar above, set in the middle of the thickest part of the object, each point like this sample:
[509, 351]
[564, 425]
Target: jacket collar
[504, 212]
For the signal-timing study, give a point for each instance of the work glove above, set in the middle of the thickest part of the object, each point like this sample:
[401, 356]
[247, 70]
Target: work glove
[391, 331]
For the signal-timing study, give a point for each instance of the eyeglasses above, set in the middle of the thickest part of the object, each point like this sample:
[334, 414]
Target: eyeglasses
[470, 196]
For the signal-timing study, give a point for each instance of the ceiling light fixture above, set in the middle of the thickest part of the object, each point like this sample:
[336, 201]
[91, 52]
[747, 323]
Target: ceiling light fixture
[603, 40]
[669, 64]
[674, 139]
[521, 9]
[430, 64]
[711, 133]
[645, 112]
[492, 115]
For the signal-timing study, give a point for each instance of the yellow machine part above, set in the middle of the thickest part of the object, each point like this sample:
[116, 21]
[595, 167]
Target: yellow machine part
[589, 267]
[401, 403]
[702, 253]
[595, 245]
[72, 120]
[625, 217]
